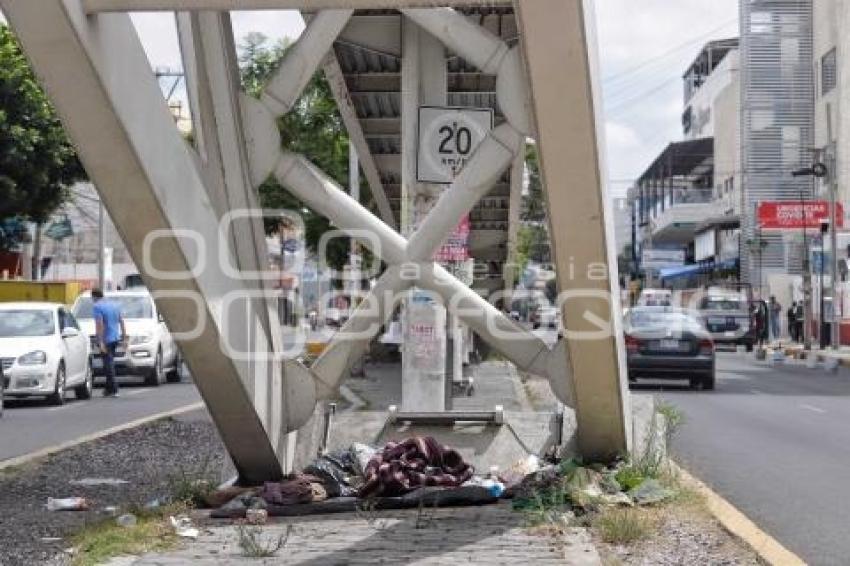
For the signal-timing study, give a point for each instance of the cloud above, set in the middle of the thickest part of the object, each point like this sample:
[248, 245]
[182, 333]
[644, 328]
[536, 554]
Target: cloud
[644, 48]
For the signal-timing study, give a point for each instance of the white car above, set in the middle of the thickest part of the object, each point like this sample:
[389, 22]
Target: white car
[43, 352]
[151, 351]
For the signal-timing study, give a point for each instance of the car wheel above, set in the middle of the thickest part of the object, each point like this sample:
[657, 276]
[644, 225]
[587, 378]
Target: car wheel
[84, 390]
[176, 374]
[749, 347]
[156, 376]
[58, 397]
[708, 383]
[2, 395]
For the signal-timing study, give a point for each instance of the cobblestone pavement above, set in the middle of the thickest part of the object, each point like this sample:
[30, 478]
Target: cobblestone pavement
[492, 536]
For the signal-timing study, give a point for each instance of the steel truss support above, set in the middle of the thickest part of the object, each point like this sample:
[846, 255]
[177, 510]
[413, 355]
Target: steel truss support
[558, 38]
[97, 74]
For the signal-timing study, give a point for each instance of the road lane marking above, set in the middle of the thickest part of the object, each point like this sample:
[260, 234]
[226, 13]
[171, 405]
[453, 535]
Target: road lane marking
[768, 548]
[755, 391]
[813, 409]
[25, 458]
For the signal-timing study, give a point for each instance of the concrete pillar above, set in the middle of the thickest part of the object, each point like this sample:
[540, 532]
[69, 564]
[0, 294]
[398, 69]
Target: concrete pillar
[425, 348]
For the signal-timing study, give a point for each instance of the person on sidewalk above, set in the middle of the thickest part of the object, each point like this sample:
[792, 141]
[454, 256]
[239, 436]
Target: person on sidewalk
[110, 332]
[799, 322]
[792, 321]
[775, 310]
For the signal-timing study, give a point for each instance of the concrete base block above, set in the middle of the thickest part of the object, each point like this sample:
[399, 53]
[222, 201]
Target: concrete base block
[485, 445]
[482, 445]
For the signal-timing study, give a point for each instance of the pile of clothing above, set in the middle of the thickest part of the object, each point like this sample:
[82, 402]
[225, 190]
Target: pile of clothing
[417, 462]
[418, 465]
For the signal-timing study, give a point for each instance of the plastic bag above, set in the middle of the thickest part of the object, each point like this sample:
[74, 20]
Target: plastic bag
[335, 471]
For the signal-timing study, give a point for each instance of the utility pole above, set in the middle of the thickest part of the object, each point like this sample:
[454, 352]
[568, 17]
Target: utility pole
[817, 170]
[832, 179]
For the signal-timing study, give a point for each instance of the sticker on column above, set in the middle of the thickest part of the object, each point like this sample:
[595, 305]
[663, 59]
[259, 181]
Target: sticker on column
[448, 136]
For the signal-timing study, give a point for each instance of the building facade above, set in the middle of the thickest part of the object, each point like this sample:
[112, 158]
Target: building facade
[777, 132]
[689, 198]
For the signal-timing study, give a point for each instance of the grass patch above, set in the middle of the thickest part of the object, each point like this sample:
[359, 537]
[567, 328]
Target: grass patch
[624, 526]
[101, 541]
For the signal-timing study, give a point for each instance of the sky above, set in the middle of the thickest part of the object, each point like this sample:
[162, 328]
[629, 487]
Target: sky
[644, 48]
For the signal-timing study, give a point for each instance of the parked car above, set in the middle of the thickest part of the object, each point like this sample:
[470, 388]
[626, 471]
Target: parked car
[43, 352]
[727, 317]
[655, 298]
[669, 343]
[132, 282]
[545, 316]
[151, 351]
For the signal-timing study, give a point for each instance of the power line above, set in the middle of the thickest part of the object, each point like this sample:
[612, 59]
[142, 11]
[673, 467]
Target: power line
[674, 50]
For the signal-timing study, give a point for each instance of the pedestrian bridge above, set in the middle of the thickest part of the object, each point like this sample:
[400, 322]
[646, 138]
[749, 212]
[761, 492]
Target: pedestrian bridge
[190, 217]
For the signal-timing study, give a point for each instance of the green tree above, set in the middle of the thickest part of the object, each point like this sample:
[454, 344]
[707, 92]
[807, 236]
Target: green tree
[313, 128]
[37, 162]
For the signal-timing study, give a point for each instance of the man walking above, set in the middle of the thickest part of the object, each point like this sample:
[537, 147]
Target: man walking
[110, 332]
[774, 311]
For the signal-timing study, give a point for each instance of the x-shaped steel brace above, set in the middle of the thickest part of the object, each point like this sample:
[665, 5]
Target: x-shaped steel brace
[410, 261]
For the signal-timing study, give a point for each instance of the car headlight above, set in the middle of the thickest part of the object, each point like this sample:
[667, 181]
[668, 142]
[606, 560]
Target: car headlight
[140, 339]
[33, 358]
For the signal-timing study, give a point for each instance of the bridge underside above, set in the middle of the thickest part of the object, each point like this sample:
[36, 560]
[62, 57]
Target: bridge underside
[181, 207]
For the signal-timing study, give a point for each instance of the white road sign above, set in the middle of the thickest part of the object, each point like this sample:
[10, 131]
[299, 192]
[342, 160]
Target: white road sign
[448, 136]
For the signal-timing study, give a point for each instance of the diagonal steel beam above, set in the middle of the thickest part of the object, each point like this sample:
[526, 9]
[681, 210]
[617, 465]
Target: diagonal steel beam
[559, 47]
[94, 6]
[98, 76]
[336, 80]
[325, 197]
[302, 60]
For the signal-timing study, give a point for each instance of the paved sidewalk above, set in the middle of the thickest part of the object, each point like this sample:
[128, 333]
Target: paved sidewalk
[493, 535]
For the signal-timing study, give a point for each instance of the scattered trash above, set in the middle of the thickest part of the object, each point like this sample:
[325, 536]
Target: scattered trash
[256, 516]
[494, 486]
[649, 492]
[519, 470]
[362, 454]
[336, 472]
[183, 527]
[94, 482]
[67, 504]
[128, 520]
[50, 539]
[153, 504]
[110, 510]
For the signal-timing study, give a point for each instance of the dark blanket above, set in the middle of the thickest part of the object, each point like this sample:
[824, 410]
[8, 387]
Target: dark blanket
[416, 462]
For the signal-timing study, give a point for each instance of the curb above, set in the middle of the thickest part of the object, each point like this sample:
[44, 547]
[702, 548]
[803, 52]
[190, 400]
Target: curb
[765, 546]
[38, 454]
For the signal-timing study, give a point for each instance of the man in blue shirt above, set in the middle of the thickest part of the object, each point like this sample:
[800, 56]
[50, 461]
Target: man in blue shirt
[110, 332]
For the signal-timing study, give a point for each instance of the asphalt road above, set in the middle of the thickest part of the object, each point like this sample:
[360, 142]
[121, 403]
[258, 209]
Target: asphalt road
[31, 425]
[775, 442]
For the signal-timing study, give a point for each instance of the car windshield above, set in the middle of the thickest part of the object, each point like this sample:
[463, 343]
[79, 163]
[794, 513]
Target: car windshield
[722, 305]
[661, 319]
[26, 323]
[131, 306]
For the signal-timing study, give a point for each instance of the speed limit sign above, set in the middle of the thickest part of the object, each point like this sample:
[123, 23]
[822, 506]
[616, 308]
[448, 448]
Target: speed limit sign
[448, 136]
